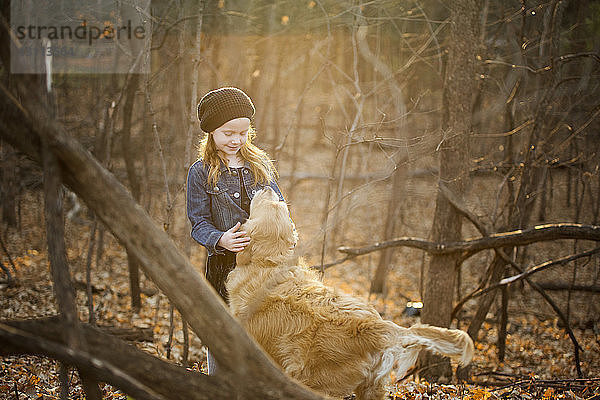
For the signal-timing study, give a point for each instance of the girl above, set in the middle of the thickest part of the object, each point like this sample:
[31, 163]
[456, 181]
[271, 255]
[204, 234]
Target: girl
[221, 184]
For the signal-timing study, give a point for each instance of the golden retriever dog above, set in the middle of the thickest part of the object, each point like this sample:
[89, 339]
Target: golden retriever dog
[333, 343]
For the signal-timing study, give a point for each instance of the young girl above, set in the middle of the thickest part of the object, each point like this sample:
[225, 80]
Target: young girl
[221, 184]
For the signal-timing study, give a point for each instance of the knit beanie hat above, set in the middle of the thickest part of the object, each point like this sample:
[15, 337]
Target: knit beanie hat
[221, 105]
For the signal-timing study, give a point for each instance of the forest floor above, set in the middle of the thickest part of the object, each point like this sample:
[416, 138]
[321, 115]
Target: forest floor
[539, 361]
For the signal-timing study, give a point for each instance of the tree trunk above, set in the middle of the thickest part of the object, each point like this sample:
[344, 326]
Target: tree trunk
[460, 84]
[61, 277]
[129, 156]
[385, 259]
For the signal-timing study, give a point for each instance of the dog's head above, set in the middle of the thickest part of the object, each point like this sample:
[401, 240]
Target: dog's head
[271, 230]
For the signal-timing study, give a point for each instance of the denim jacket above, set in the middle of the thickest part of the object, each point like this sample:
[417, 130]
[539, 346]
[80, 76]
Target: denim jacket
[213, 209]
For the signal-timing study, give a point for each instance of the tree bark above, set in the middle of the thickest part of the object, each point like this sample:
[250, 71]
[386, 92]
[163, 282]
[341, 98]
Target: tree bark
[459, 86]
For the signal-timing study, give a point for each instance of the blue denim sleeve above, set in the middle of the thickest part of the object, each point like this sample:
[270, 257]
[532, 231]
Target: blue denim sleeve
[198, 211]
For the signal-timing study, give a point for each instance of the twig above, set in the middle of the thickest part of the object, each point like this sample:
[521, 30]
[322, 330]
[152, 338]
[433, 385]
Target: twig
[503, 374]
[504, 134]
[169, 208]
[161, 23]
[547, 265]
[563, 58]
[562, 145]
[462, 208]
[332, 264]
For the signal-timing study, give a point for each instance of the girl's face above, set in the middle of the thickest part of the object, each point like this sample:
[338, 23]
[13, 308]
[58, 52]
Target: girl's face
[231, 136]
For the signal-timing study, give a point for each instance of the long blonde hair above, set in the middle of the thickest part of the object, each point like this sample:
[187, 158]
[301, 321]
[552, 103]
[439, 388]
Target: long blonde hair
[261, 164]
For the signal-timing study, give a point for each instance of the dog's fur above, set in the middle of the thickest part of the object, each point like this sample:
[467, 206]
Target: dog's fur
[332, 343]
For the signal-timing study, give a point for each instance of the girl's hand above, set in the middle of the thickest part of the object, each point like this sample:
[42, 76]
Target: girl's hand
[233, 240]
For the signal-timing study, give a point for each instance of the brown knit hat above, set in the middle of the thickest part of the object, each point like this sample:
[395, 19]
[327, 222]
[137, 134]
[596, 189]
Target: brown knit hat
[221, 105]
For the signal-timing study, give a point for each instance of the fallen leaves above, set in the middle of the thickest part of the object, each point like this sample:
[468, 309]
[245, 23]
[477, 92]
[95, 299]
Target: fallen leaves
[525, 390]
[537, 350]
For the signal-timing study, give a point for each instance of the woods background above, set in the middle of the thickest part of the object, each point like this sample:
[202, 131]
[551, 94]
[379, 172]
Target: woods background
[386, 119]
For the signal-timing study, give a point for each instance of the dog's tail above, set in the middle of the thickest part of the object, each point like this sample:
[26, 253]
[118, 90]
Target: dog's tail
[408, 342]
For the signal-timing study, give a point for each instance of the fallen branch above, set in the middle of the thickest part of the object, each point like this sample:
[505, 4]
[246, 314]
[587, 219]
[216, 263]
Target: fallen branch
[164, 378]
[16, 339]
[521, 237]
[563, 58]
